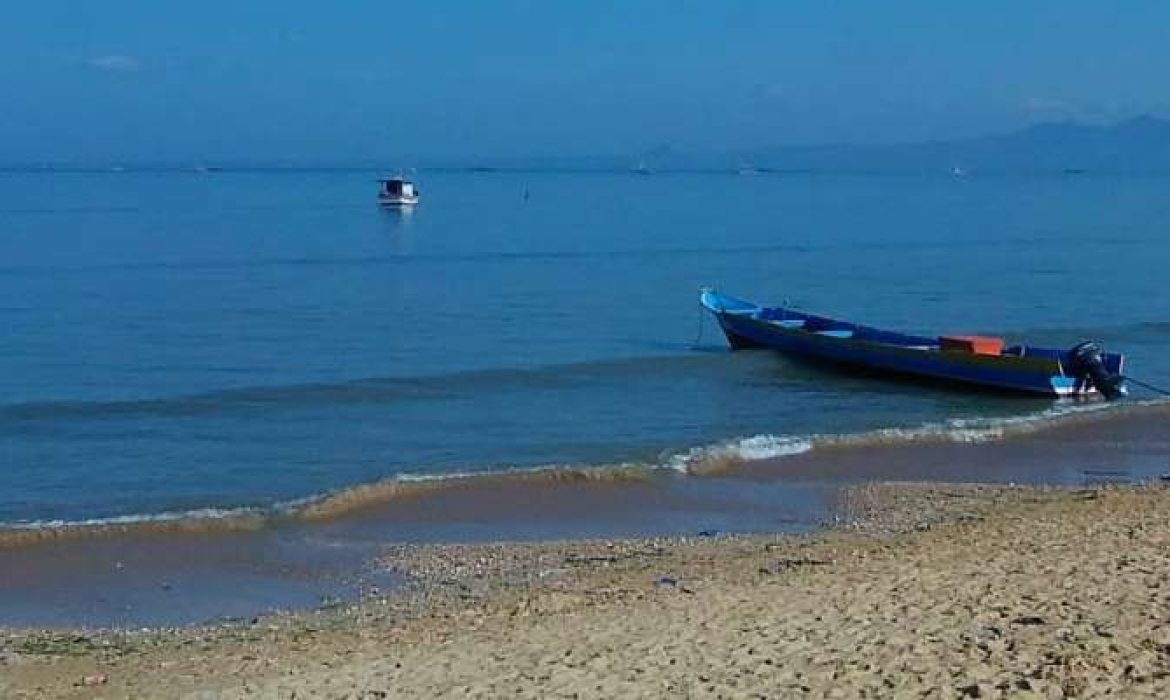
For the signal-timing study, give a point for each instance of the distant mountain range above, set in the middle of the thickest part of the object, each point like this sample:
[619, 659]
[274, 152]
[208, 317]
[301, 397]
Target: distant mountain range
[1138, 145]
[1141, 144]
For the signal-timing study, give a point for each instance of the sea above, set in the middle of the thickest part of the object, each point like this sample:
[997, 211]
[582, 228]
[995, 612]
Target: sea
[187, 347]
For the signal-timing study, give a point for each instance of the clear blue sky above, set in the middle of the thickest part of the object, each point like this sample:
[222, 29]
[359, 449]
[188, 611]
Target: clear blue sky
[122, 80]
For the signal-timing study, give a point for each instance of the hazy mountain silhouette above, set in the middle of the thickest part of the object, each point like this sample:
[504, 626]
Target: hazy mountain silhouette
[1141, 144]
[1137, 145]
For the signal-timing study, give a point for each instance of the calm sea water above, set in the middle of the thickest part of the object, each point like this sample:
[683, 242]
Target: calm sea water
[184, 341]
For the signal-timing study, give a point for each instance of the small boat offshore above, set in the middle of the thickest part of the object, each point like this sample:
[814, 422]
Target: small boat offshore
[397, 192]
[1084, 369]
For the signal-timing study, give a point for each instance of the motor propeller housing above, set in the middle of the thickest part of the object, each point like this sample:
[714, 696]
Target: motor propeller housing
[1085, 362]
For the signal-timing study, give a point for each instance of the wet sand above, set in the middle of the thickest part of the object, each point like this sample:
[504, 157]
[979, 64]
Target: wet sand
[921, 591]
[134, 576]
[137, 579]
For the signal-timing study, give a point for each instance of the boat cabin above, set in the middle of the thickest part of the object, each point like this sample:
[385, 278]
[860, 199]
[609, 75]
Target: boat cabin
[397, 187]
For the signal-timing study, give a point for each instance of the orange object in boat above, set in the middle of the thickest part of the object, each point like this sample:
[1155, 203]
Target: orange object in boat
[974, 344]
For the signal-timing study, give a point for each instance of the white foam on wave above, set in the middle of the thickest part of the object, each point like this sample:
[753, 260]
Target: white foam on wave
[965, 430]
[515, 472]
[165, 517]
[740, 450]
[962, 430]
[425, 477]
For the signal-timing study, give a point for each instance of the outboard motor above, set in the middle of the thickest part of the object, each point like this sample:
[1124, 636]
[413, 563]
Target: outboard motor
[1085, 363]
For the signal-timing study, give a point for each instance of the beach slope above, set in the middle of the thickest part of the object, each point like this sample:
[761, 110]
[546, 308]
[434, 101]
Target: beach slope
[923, 591]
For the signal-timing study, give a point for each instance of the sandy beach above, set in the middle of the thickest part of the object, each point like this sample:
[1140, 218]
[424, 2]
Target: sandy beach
[922, 591]
[564, 350]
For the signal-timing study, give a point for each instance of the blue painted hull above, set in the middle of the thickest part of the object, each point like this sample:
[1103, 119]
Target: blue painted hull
[1018, 368]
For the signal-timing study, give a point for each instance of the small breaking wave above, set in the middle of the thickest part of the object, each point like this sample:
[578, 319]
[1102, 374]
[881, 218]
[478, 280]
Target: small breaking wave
[316, 508]
[201, 520]
[726, 456]
[402, 486]
[708, 460]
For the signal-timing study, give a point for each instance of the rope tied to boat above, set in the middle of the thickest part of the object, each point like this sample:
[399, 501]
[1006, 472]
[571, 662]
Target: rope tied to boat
[1150, 387]
[699, 335]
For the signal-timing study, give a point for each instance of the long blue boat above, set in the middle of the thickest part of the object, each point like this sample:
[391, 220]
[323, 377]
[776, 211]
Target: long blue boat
[972, 360]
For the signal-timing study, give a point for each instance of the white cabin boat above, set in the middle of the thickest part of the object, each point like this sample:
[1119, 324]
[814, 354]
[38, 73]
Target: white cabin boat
[397, 192]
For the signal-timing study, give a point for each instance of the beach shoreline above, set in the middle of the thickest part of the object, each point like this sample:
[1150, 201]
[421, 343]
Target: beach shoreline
[975, 590]
[151, 571]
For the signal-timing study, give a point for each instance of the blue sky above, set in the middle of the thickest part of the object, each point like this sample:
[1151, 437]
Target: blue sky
[121, 80]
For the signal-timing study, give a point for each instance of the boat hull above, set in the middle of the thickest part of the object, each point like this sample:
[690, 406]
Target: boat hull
[397, 201]
[1032, 370]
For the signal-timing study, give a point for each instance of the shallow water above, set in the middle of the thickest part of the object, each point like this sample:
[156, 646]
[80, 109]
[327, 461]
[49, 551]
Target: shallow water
[182, 341]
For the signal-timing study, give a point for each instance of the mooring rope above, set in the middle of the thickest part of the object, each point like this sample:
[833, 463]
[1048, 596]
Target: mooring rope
[1151, 387]
[699, 335]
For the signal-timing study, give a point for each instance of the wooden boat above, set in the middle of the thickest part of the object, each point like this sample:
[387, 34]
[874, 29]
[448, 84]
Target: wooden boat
[973, 360]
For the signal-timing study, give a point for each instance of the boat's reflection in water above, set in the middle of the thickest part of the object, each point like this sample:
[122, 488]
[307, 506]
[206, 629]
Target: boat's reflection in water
[395, 226]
